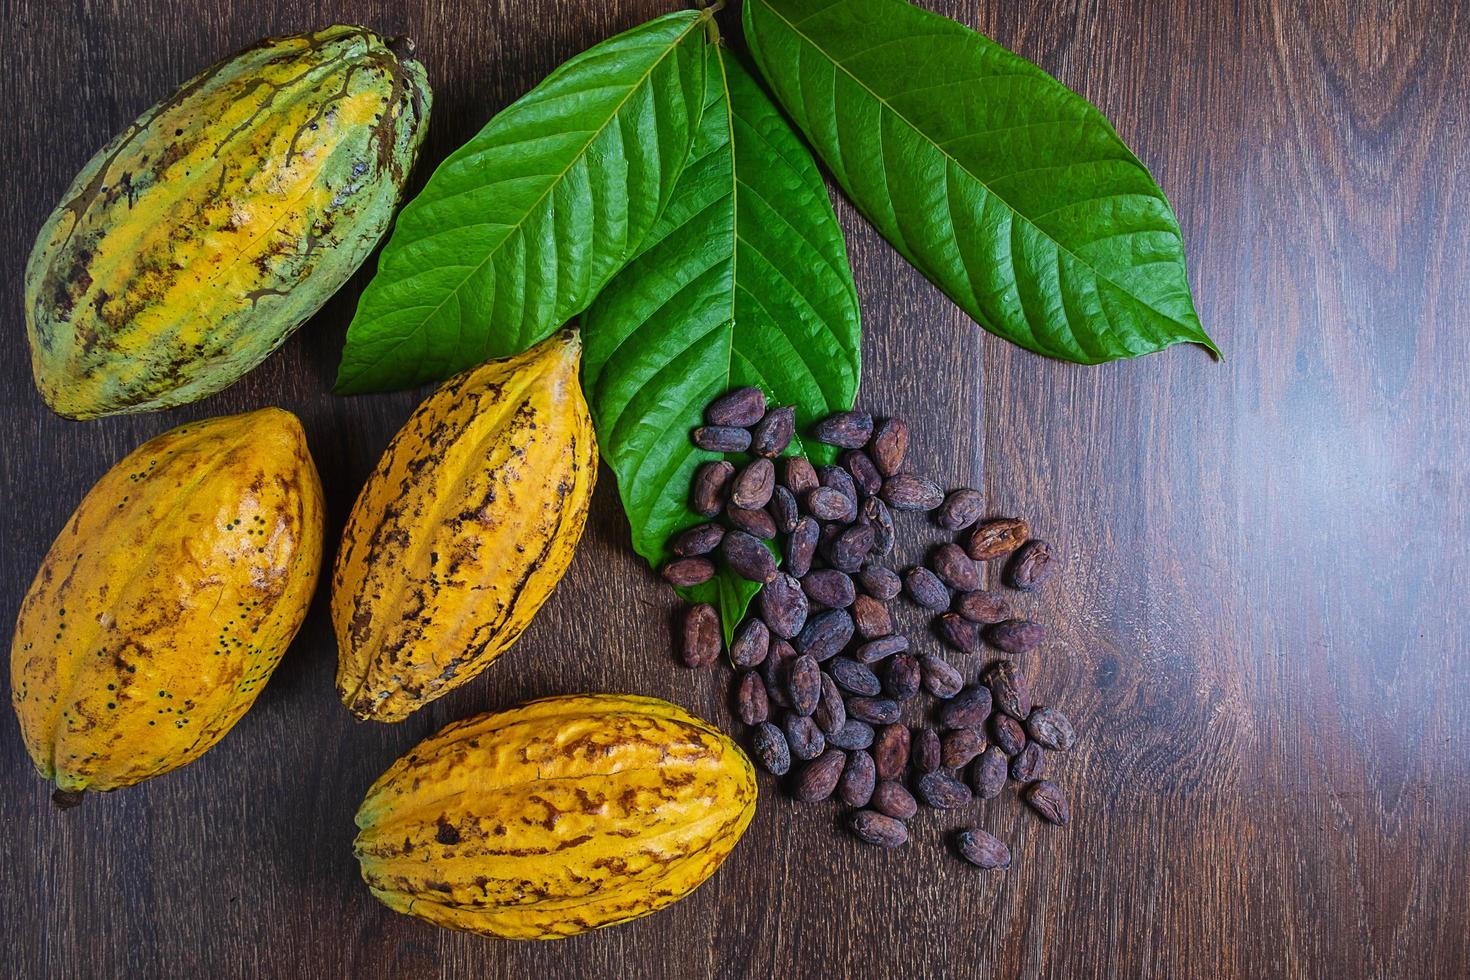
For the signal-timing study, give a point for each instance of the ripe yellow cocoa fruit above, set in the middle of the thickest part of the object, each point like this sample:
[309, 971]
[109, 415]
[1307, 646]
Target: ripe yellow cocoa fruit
[554, 818]
[463, 530]
[165, 603]
[194, 243]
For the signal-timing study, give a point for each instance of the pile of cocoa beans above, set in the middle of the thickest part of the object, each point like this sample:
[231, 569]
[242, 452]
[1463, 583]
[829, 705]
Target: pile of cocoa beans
[823, 679]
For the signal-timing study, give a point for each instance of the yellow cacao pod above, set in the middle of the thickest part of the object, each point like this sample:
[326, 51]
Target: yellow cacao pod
[462, 531]
[164, 605]
[557, 817]
[194, 243]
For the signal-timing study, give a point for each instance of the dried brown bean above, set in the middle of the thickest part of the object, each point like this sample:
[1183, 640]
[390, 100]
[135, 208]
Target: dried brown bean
[1008, 685]
[982, 850]
[851, 547]
[1027, 766]
[801, 546]
[885, 646]
[769, 747]
[959, 746]
[840, 480]
[804, 737]
[888, 445]
[1031, 566]
[849, 430]
[853, 677]
[891, 751]
[902, 677]
[818, 778]
[906, 491]
[721, 438]
[1051, 728]
[784, 510]
[747, 557]
[892, 798]
[783, 606]
[804, 684]
[878, 829]
[1049, 802]
[988, 773]
[955, 568]
[1007, 733]
[859, 776]
[958, 632]
[831, 713]
[960, 509]
[853, 734]
[743, 407]
[864, 474]
[830, 587]
[881, 583]
[827, 504]
[996, 539]
[710, 488]
[874, 513]
[940, 679]
[698, 540]
[825, 634]
[683, 572]
[756, 523]
[871, 618]
[968, 709]
[925, 749]
[982, 607]
[753, 485]
[874, 711]
[751, 644]
[772, 434]
[773, 670]
[752, 704]
[1016, 636]
[798, 475]
[925, 588]
[701, 637]
[942, 791]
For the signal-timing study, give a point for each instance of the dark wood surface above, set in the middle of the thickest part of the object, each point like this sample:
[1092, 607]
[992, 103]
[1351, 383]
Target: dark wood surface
[1262, 613]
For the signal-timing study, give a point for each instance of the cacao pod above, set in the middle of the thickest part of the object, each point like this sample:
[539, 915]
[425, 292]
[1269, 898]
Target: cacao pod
[164, 605]
[556, 817]
[194, 243]
[462, 531]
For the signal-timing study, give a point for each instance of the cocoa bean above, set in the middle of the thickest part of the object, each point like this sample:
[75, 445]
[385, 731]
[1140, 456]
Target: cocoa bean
[855, 788]
[742, 407]
[769, 747]
[798, 475]
[840, 480]
[888, 445]
[688, 571]
[902, 677]
[891, 751]
[988, 773]
[772, 434]
[753, 485]
[853, 734]
[849, 430]
[881, 583]
[1016, 636]
[925, 588]
[878, 829]
[804, 684]
[954, 568]
[874, 711]
[784, 510]
[722, 438]
[968, 709]
[1028, 764]
[1008, 685]
[773, 670]
[996, 539]
[853, 677]
[942, 791]
[959, 746]
[958, 632]
[905, 491]
[871, 618]
[830, 532]
[756, 523]
[1007, 733]
[801, 546]
[698, 540]
[960, 509]
[751, 644]
[885, 646]
[982, 850]
[1049, 802]
[940, 679]
[825, 634]
[982, 607]
[804, 737]
[818, 778]
[1031, 566]
[783, 606]
[830, 587]
[891, 798]
[748, 557]
[851, 548]
[827, 504]
[752, 704]
[710, 487]
[701, 640]
[831, 713]
[1051, 728]
[860, 467]
[874, 513]
[925, 749]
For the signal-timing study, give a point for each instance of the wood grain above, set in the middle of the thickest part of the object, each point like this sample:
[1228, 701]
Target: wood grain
[1262, 611]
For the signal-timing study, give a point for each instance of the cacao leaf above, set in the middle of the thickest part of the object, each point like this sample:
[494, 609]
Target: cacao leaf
[744, 281]
[1011, 192]
[519, 228]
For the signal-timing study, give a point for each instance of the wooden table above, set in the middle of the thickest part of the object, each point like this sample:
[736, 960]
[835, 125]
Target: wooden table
[1262, 614]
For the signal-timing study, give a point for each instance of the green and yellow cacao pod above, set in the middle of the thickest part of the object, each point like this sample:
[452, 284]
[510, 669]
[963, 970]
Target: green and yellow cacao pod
[194, 243]
[461, 533]
[167, 600]
[554, 818]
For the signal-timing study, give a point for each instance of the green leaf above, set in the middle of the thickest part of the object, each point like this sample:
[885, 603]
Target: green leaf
[744, 281]
[519, 228]
[1008, 190]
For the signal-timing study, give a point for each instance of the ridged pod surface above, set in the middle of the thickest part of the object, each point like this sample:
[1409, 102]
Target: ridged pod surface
[462, 531]
[165, 603]
[554, 818]
[194, 243]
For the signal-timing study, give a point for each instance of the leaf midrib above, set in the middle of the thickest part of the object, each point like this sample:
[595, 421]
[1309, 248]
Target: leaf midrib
[551, 185]
[969, 173]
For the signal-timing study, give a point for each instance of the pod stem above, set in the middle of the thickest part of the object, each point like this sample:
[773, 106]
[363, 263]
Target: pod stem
[65, 799]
